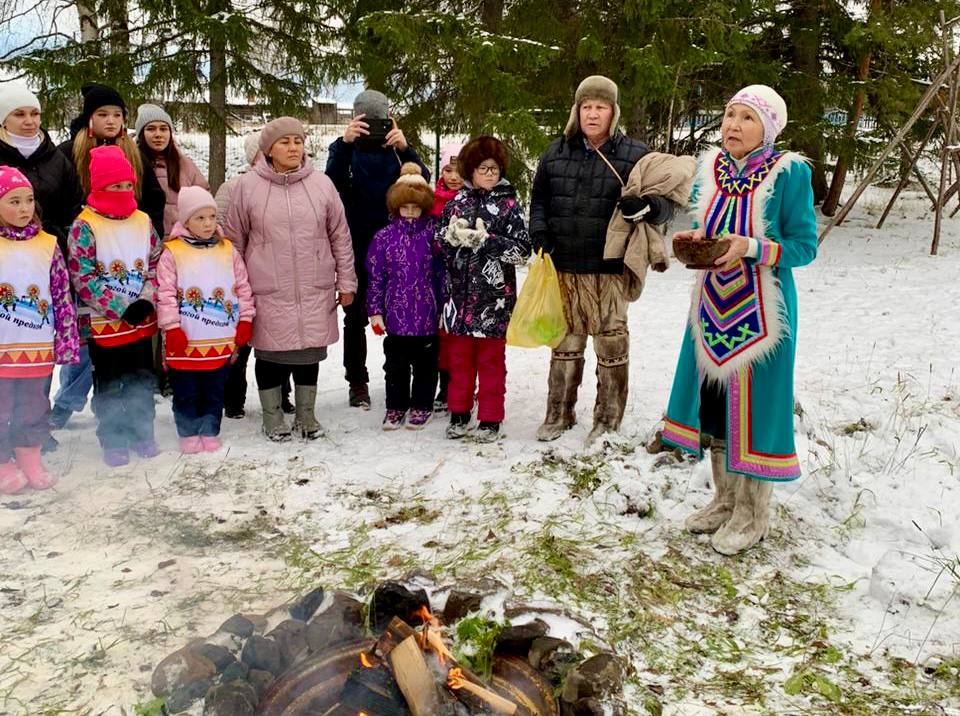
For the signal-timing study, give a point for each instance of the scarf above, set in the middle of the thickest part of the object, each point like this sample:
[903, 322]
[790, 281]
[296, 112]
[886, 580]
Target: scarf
[16, 233]
[25, 145]
[118, 204]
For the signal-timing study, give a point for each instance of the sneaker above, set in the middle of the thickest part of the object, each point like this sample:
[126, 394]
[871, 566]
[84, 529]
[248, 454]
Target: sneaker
[59, 417]
[359, 396]
[210, 443]
[393, 419]
[234, 413]
[418, 419]
[440, 406]
[191, 445]
[459, 425]
[286, 406]
[116, 457]
[487, 432]
[146, 448]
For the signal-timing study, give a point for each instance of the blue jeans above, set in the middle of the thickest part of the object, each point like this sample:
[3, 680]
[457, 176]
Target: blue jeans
[198, 400]
[75, 383]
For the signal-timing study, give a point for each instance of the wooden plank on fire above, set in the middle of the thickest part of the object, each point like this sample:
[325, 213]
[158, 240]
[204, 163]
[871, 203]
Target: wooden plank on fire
[414, 677]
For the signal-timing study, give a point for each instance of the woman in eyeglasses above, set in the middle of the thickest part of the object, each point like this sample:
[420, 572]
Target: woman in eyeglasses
[482, 237]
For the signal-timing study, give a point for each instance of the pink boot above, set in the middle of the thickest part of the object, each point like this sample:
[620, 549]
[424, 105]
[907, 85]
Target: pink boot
[28, 460]
[191, 445]
[11, 479]
[211, 443]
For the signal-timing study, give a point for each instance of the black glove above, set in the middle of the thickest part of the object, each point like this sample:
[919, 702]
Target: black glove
[543, 242]
[137, 312]
[634, 208]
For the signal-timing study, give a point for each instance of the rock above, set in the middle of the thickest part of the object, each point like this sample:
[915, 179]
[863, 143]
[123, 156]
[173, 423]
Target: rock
[183, 698]
[262, 653]
[180, 669]
[221, 657]
[233, 699]
[291, 637]
[236, 671]
[460, 604]
[238, 625]
[260, 681]
[339, 621]
[307, 605]
[600, 677]
[552, 657]
[519, 638]
[392, 599]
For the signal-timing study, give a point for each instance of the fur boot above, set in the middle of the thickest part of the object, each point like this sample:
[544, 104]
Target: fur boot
[304, 399]
[709, 519]
[613, 376]
[750, 520]
[274, 426]
[566, 374]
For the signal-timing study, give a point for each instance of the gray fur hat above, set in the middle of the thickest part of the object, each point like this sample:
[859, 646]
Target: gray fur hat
[594, 87]
[373, 104]
[147, 113]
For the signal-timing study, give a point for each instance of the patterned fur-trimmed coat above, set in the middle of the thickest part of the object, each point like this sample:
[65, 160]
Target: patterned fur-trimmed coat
[480, 285]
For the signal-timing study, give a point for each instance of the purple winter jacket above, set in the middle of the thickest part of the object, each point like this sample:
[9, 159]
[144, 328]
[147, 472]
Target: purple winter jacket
[405, 276]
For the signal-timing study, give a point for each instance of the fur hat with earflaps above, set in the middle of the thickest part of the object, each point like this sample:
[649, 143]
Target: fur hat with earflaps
[594, 87]
[410, 188]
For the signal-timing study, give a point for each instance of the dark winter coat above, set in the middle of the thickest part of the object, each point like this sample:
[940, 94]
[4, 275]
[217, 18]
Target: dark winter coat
[55, 185]
[480, 285]
[152, 197]
[405, 277]
[575, 194]
[362, 179]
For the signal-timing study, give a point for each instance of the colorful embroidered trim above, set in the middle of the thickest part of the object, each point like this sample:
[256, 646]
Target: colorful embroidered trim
[769, 252]
[731, 312]
[736, 184]
[740, 454]
[681, 435]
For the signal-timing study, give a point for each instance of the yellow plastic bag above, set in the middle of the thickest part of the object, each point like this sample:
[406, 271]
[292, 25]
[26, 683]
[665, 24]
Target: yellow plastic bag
[538, 316]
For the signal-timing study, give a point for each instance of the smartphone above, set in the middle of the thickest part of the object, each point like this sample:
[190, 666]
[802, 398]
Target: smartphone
[378, 134]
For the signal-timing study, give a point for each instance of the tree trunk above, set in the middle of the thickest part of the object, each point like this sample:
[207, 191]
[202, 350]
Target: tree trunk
[805, 34]
[492, 14]
[217, 112]
[88, 21]
[120, 64]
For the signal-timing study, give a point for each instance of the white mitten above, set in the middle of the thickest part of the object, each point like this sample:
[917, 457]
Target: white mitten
[456, 225]
[480, 235]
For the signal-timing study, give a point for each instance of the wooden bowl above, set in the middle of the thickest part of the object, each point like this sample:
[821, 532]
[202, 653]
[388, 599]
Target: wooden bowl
[700, 253]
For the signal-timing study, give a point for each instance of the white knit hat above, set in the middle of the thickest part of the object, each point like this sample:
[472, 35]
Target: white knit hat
[251, 145]
[14, 95]
[147, 113]
[768, 105]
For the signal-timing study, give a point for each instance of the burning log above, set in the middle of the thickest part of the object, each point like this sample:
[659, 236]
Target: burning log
[414, 678]
[495, 702]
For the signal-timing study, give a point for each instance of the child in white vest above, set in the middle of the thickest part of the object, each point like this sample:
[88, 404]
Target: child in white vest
[113, 251]
[38, 328]
[206, 311]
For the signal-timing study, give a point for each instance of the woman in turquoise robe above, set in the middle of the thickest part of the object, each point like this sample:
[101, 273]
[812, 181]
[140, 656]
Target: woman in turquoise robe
[733, 388]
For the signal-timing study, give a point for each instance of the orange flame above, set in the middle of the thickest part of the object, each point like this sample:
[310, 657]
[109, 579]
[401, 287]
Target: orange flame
[424, 614]
[455, 678]
[365, 660]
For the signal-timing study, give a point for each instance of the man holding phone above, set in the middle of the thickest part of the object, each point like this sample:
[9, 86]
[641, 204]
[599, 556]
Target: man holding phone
[363, 164]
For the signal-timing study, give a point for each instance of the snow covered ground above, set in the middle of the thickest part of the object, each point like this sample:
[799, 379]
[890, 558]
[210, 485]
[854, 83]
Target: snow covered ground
[113, 570]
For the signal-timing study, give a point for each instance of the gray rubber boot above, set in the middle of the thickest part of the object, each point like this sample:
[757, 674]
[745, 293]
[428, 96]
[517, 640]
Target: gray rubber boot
[305, 424]
[274, 426]
[750, 520]
[709, 519]
[566, 374]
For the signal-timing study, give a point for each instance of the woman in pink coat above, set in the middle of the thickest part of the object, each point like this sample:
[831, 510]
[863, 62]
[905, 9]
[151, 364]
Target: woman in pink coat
[287, 220]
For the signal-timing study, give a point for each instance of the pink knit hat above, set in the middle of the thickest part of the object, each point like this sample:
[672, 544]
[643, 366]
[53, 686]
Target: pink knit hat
[192, 199]
[449, 152]
[770, 107]
[109, 165]
[10, 179]
[280, 127]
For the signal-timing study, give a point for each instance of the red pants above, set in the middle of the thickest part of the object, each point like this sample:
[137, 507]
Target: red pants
[473, 358]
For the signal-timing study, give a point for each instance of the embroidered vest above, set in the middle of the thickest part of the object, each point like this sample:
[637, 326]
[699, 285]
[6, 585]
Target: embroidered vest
[736, 319]
[209, 306]
[26, 307]
[123, 253]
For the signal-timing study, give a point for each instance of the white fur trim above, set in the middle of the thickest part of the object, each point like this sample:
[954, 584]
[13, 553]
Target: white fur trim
[774, 308]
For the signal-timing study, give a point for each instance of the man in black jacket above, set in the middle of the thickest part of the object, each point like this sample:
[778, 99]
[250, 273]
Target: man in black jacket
[576, 189]
[362, 172]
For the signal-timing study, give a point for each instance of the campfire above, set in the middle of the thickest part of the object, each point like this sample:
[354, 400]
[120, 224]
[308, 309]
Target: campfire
[411, 670]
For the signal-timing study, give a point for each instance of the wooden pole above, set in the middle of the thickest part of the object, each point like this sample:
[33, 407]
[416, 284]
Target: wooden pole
[948, 137]
[920, 109]
[913, 159]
